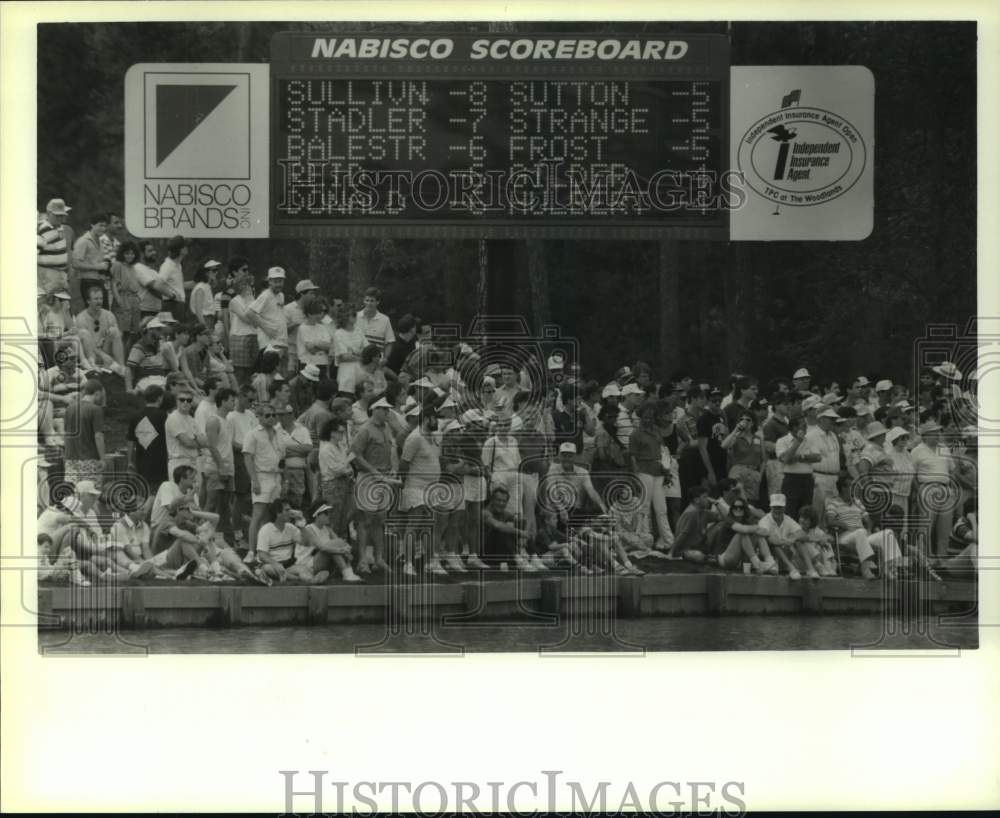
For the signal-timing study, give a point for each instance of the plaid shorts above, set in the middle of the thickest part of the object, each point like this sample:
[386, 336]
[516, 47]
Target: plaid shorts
[243, 351]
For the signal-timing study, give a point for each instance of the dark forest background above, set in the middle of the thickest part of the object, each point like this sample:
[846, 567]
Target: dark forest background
[842, 308]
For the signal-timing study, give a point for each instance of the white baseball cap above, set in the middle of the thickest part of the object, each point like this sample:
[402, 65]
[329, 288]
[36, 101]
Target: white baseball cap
[801, 373]
[310, 372]
[895, 433]
[211, 264]
[612, 390]
[883, 386]
[631, 389]
[778, 500]
[304, 286]
[567, 447]
[828, 413]
[861, 380]
[276, 272]
[810, 403]
[381, 403]
[87, 487]
[948, 370]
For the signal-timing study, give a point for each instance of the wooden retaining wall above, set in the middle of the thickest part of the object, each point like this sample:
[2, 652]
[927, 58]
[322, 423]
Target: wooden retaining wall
[529, 597]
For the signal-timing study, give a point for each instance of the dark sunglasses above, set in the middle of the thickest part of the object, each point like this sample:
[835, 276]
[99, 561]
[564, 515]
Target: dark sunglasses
[185, 400]
[735, 507]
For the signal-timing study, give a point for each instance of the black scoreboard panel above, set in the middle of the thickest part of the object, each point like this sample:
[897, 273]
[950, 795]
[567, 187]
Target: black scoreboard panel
[506, 150]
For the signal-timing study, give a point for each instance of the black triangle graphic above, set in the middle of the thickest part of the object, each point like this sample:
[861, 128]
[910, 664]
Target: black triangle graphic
[182, 108]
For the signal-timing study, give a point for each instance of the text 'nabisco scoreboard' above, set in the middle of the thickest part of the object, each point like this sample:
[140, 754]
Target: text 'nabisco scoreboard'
[500, 135]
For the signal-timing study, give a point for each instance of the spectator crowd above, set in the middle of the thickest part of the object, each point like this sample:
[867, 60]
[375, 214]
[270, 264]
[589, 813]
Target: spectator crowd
[288, 436]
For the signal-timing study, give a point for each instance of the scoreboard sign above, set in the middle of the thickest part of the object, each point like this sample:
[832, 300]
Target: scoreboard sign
[512, 135]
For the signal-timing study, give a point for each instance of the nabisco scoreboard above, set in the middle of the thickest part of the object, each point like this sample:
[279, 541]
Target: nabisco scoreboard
[499, 135]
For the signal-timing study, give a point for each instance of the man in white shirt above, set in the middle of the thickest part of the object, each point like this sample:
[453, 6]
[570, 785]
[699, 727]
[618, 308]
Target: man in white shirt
[783, 535]
[295, 316]
[172, 274]
[184, 441]
[171, 493]
[822, 438]
[154, 286]
[242, 420]
[632, 396]
[372, 324]
[266, 312]
[797, 459]
[935, 488]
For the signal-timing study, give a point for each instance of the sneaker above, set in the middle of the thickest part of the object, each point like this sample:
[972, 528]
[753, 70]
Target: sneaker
[635, 570]
[250, 558]
[434, 567]
[812, 573]
[474, 562]
[536, 561]
[756, 565]
[186, 570]
[794, 574]
[770, 567]
[320, 578]
[382, 565]
[77, 578]
[522, 563]
[409, 570]
[138, 570]
[694, 555]
[454, 563]
[503, 566]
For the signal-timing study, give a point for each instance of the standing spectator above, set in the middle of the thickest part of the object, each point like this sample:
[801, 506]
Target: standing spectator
[336, 480]
[85, 434]
[243, 420]
[420, 468]
[295, 316]
[147, 439]
[298, 445]
[220, 465]
[222, 298]
[712, 430]
[372, 325]
[404, 344]
[797, 484]
[314, 341]
[126, 291]
[172, 273]
[111, 240]
[93, 269]
[243, 347]
[645, 451]
[53, 250]
[632, 396]
[376, 458]
[99, 332]
[263, 455]
[202, 301]
[902, 467]
[745, 445]
[265, 313]
[875, 470]
[347, 346]
[801, 381]
[823, 439]
[184, 441]
[154, 287]
[936, 490]
[194, 357]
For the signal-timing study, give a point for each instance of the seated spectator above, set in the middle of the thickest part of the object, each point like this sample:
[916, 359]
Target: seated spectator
[279, 543]
[328, 552]
[99, 333]
[787, 539]
[748, 542]
[129, 542]
[853, 528]
[819, 543]
[689, 539]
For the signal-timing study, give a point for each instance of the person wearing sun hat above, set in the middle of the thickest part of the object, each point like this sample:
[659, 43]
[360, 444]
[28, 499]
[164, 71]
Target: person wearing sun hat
[823, 438]
[266, 313]
[935, 486]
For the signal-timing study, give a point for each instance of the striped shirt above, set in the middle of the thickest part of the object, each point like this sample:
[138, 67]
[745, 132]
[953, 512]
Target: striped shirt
[52, 250]
[376, 330]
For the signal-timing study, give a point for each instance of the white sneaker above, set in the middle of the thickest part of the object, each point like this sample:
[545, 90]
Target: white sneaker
[770, 567]
[522, 563]
[758, 568]
[536, 561]
[812, 573]
[409, 570]
[474, 562]
[79, 579]
[794, 574]
[250, 558]
[434, 567]
[350, 576]
[137, 570]
[455, 564]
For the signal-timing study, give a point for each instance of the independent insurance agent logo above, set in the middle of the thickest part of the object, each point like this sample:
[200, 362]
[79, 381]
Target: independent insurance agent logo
[800, 156]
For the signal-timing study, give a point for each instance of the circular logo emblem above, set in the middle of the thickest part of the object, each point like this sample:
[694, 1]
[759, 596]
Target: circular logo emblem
[801, 157]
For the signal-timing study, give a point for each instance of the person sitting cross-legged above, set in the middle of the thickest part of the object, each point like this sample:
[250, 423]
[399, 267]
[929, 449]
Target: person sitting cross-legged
[748, 542]
[326, 551]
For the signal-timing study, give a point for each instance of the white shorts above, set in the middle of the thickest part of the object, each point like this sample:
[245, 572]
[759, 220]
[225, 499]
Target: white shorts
[270, 487]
